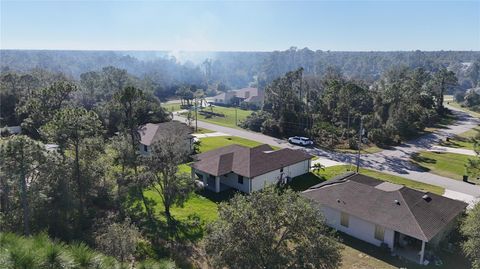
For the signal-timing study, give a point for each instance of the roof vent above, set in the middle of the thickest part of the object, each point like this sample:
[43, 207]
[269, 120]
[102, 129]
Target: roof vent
[426, 198]
[397, 202]
[338, 200]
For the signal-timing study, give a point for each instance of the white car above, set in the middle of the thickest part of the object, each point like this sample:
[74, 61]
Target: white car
[302, 141]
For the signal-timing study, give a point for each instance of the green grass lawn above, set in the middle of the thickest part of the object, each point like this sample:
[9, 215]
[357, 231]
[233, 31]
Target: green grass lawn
[203, 131]
[365, 149]
[209, 143]
[448, 100]
[228, 120]
[463, 140]
[445, 164]
[171, 107]
[304, 182]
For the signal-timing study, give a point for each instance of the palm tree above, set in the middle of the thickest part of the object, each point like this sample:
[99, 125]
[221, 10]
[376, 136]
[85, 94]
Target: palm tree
[317, 167]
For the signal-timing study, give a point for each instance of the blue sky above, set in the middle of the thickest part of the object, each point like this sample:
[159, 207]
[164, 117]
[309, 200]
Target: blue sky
[240, 26]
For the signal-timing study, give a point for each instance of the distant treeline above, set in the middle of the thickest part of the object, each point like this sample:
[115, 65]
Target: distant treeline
[240, 69]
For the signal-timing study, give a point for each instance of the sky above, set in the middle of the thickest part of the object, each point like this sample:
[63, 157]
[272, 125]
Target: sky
[240, 26]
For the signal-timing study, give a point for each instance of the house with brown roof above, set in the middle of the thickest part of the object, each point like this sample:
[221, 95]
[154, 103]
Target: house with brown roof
[410, 223]
[248, 169]
[151, 132]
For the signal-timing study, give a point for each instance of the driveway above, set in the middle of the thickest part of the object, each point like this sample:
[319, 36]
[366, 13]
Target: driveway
[395, 161]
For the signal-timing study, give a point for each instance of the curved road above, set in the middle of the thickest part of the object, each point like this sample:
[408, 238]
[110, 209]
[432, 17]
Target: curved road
[393, 161]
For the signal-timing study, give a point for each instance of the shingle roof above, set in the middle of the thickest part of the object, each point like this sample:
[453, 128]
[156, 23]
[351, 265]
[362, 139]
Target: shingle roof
[151, 131]
[245, 161]
[403, 209]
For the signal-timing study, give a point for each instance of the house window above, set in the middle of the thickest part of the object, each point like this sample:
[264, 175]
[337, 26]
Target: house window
[344, 219]
[145, 148]
[379, 233]
[240, 179]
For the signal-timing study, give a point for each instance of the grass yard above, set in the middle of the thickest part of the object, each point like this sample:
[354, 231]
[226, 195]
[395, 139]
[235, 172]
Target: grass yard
[203, 131]
[359, 254]
[171, 107]
[365, 149]
[229, 119]
[463, 140]
[448, 100]
[445, 164]
[209, 143]
[304, 182]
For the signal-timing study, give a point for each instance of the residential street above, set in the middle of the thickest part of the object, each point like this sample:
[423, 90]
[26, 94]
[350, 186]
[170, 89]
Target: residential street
[392, 161]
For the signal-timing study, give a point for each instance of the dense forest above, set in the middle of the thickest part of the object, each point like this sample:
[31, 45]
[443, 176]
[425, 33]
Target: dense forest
[239, 69]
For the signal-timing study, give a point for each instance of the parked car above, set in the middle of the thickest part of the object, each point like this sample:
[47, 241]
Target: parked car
[302, 141]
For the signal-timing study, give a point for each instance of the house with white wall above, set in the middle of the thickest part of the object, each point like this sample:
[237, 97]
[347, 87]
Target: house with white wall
[248, 169]
[249, 95]
[408, 222]
[151, 132]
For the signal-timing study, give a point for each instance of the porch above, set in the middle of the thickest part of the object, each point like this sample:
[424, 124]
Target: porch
[410, 248]
[210, 182]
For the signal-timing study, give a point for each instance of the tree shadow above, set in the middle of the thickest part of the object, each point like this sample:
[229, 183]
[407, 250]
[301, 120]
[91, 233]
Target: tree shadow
[416, 157]
[217, 197]
[305, 181]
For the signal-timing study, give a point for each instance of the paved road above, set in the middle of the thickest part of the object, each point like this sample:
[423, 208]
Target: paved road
[393, 161]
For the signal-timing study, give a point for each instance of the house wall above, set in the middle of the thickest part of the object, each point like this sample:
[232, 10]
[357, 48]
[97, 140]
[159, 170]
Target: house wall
[231, 180]
[359, 228]
[261, 181]
[142, 150]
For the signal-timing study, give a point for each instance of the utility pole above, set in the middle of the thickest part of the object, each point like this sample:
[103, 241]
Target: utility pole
[196, 116]
[236, 115]
[360, 134]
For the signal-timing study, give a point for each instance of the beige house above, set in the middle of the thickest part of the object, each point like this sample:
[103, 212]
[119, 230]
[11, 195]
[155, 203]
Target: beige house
[408, 222]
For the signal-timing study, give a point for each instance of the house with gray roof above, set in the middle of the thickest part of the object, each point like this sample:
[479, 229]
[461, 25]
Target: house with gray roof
[248, 95]
[409, 222]
[248, 169]
[151, 132]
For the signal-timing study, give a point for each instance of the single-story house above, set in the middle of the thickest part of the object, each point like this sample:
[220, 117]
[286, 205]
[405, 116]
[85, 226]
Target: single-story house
[223, 98]
[248, 169]
[404, 220]
[251, 95]
[150, 132]
[248, 95]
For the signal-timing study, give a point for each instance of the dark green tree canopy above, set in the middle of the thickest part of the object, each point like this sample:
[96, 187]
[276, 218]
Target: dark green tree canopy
[271, 229]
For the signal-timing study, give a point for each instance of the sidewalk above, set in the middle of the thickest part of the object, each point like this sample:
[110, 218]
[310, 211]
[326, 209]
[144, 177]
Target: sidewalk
[452, 150]
[215, 134]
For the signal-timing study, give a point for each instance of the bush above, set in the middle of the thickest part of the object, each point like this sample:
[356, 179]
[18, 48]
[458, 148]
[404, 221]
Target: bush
[326, 134]
[255, 120]
[249, 106]
[379, 137]
[38, 252]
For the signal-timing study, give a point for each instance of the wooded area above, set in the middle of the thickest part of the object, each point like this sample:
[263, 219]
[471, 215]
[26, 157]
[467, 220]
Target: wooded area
[93, 189]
